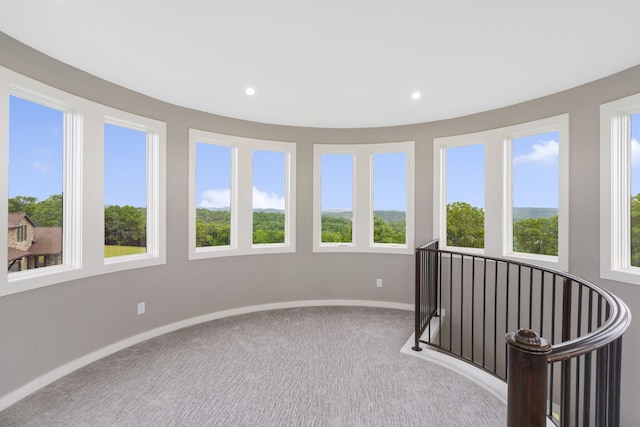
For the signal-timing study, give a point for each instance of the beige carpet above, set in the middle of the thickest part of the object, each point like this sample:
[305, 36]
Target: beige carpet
[317, 366]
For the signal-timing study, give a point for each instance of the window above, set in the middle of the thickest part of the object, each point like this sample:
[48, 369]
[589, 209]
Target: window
[241, 197]
[363, 197]
[534, 189]
[125, 191]
[213, 190]
[336, 197]
[269, 196]
[390, 197]
[620, 190]
[504, 192]
[56, 190]
[465, 196]
[39, 135]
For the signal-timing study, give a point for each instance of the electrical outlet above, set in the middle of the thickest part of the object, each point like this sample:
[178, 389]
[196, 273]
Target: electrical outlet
[141, 308]
[379, 283]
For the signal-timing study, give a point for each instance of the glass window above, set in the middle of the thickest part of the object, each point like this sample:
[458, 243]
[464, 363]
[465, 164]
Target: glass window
[36, 150]
[505, 191]
[535, 186]
[269, 193]
[389, 197]
[213, 190]
[59, 189]
[464, 184]
[125, 191]
[363, 197]
[241, 195]
[336, 189]
[635, 189]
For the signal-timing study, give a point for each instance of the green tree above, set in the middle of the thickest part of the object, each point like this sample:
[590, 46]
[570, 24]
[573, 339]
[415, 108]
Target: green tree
[48, 213]
[635, 230]
[536, 236]
[465, 225]
[336, 229]
[22, 204]
[125, 226]
[268, 227]
[388, 232]
[213, 228]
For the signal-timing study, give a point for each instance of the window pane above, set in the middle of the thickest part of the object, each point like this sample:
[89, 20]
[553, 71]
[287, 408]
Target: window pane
[389, 197]
[36, 141]
[336, 192]
[125, 191]
[269, 184]
[635, 190]
[465, 196]
[213, 195]
[535, 194]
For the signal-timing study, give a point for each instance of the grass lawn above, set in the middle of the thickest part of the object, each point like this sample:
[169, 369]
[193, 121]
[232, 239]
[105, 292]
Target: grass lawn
[111, 251]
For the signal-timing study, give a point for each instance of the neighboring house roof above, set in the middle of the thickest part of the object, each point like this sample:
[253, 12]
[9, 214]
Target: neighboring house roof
[15, 218]
[46, 241]
[16, 254]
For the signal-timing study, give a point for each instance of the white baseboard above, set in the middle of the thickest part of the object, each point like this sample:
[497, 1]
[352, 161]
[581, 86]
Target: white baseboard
[46, 379]
[487, 381]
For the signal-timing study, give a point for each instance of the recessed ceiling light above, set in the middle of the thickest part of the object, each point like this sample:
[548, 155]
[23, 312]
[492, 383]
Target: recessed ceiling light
[416, 95]
[250, 91]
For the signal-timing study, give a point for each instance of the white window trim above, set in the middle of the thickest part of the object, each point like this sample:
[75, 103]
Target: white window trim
[155, 165]
[83, 186]
[615, 190]
[498, 189]
[241, 237]
[362, 206]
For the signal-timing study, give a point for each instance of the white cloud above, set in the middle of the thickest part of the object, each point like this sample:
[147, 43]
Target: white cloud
[635, 152]
[545, 152]
[263, 200]
[39, 166]
[215, 199]
[222, 199]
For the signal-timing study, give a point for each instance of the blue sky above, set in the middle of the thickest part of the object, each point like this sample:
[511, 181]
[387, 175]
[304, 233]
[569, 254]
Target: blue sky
[336, 172]
[635, 153]
[35, 168]
[390, 181]
[213, 177]
[535, 172]
[125, 166]
[35, 150]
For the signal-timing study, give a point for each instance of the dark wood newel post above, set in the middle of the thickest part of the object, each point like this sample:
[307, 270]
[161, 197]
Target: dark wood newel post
[528, 359]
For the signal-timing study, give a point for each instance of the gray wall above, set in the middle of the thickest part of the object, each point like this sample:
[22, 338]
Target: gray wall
[45, 328]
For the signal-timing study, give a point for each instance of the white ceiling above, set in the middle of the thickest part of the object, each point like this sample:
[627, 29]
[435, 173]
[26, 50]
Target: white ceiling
[335, 63]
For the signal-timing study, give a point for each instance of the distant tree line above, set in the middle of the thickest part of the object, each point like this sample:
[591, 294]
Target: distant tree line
[465, 228]
[388, 227]
[126, 226]
[123, 225]
[47, 213]
[635, 230]
[213, 227]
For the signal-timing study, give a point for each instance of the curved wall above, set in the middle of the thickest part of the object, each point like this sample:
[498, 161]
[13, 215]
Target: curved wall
[43, 329]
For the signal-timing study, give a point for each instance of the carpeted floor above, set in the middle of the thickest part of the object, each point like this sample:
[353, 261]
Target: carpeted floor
[315, 366]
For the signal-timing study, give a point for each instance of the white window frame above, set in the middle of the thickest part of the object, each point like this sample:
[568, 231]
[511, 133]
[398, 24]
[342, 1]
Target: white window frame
[155, 187]
[615, 190]
[362, 206]
[498, 189]
[83, 186]
[241, 236]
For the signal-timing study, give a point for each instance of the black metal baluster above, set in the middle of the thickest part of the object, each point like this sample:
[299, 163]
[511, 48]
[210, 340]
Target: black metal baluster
[484, 312]
[461, 305]
[473, 305]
